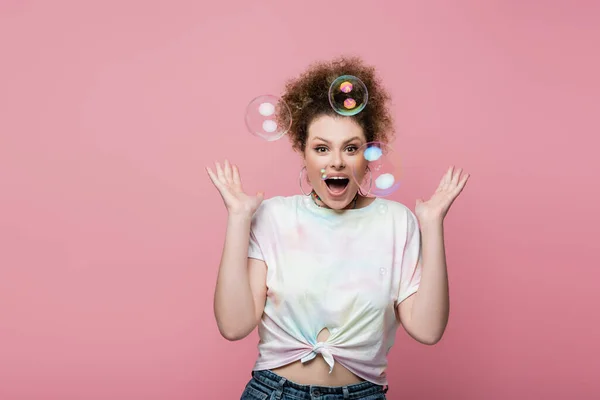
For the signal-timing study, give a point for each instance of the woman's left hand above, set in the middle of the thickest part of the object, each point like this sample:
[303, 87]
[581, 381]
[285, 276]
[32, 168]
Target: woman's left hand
[436, 208]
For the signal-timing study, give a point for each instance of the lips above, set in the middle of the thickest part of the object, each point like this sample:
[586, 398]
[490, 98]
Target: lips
[337, 185]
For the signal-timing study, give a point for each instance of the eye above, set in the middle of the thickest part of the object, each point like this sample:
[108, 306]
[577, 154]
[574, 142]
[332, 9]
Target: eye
[352, 148]
[320, 149]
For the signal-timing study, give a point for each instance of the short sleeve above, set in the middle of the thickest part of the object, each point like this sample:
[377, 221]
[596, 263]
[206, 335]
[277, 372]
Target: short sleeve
[411, 265]
[256, 227]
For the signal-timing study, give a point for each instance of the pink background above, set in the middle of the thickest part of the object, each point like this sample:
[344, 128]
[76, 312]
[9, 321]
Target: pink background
[111, 232]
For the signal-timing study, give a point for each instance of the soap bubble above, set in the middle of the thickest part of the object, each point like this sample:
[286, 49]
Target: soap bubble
[379, 172]
[348, 95]
[266, 109]
[268, 117]
[382, 208]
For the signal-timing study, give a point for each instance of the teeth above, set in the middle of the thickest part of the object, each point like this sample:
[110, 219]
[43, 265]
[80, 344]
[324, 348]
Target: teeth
[337, 177]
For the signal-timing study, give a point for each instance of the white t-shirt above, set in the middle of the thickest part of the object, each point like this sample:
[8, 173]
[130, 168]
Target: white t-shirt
[344, 271]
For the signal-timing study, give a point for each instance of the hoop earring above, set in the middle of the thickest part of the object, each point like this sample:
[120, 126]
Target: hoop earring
[300, 182]
[370, 184]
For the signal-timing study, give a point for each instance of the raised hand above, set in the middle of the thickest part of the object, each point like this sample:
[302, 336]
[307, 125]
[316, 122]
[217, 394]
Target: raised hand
[228, 183]
[436, 208]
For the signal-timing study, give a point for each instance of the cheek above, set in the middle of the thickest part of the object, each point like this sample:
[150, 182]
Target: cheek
[359, 167]
[315, 175]
[313, 168]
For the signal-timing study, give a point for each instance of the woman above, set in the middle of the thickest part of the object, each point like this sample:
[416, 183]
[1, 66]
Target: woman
[328, 277]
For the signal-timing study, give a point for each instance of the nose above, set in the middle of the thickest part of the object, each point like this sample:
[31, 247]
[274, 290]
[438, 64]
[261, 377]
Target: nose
[337, 161]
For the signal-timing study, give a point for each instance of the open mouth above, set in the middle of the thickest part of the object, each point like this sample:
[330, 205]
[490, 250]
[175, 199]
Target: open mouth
[337, 185]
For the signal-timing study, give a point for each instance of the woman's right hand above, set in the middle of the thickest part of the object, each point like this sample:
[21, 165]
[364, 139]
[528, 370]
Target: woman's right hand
[228, 183]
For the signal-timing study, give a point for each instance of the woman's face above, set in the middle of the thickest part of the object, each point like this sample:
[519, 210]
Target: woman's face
[332, 146]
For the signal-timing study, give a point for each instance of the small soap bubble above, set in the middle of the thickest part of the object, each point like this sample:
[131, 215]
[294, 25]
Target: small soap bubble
[378, 174]
[349, 104]
[268, 117]
[323, 174]
[382, 208]
[372, 153]
[348, 95]
[385, 181]
[266, 109]
[346, 87]
[382, 271]
[269, 126]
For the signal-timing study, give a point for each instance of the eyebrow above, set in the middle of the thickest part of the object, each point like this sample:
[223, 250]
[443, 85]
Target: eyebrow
[327, 141]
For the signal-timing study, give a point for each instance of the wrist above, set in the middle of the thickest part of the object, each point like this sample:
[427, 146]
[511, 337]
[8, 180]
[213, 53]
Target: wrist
[435, 223]
[240, 217]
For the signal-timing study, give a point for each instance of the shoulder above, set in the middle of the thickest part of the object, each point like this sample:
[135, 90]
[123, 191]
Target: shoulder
[277, 206]
[396, 208]
[400, 212]
[280, 202]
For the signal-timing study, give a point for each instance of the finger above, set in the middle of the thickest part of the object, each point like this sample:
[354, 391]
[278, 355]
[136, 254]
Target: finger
[445, 179]
[441, 184]
[227, 171]
[220, 173]
[236, 176]
[463, 181]
[448, 176]
[461, 184]
[214, 178]
[455, 178]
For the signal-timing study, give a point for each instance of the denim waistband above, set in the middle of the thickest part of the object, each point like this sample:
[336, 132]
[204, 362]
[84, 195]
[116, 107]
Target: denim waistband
[281, 384]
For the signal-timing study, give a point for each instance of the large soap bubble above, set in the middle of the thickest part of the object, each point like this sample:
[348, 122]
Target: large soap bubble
[379, 174]
[268, 117]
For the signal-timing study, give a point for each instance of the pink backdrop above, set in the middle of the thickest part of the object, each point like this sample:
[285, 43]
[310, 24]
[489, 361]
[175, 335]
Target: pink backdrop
[111, 232]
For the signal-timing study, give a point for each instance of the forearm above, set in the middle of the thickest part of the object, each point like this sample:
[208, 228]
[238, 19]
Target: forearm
[233, 301]
[431, 307]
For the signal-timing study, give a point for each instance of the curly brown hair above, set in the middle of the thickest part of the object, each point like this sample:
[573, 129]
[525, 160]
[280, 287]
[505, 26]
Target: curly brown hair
[307, 97]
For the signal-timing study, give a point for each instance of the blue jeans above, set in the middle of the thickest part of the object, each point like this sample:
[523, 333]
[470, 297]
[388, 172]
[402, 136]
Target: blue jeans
[266, 385]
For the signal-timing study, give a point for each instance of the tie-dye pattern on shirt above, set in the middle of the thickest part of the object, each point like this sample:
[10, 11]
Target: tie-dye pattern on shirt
[344, 271]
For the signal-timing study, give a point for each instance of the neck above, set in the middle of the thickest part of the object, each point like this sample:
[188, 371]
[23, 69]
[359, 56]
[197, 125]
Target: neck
[317, 200]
